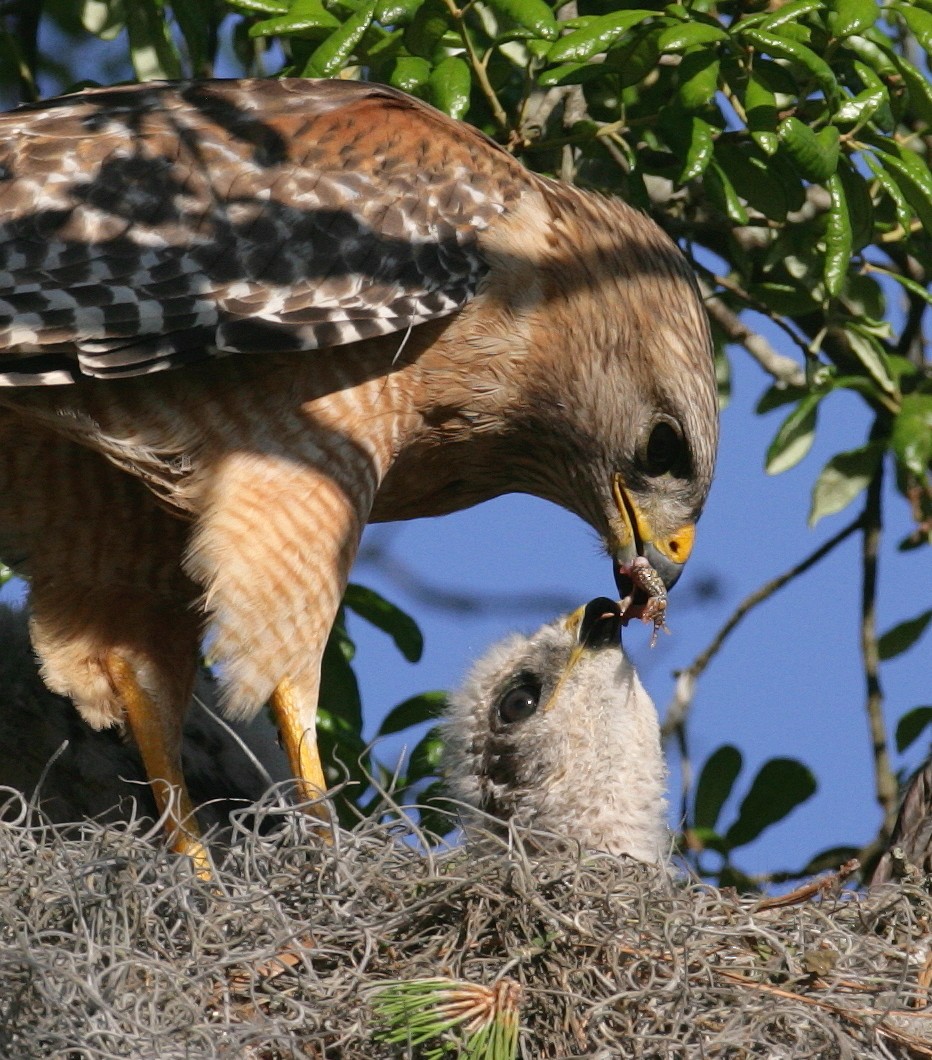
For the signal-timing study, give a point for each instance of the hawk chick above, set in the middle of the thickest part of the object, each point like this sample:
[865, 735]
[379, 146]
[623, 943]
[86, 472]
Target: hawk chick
[556, 732]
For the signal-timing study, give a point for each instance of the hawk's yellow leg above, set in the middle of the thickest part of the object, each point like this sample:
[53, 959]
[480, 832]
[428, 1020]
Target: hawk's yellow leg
[301, 747]
[161, 759]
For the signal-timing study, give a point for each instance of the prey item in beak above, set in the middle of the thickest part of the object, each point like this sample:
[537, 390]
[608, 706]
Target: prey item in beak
[597, 625]
[665, 555]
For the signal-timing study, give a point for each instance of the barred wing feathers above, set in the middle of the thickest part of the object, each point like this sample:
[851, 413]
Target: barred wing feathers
[147, 226]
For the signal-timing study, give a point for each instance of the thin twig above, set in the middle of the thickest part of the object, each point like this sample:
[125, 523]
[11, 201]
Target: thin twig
[884, 779]
[686, 679]
[783, 369]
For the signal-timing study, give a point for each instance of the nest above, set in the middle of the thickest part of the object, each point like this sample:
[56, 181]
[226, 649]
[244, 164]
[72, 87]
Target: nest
[110, 947]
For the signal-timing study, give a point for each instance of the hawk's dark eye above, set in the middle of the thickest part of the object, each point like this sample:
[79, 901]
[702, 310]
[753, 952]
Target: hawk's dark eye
[519, 702]
[666, 450]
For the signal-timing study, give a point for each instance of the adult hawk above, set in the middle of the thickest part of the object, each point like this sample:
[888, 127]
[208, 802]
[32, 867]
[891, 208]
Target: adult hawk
[240, 319]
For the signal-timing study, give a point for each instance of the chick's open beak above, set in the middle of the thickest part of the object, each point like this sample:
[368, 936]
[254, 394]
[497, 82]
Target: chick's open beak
[596, 625]
[666, 555]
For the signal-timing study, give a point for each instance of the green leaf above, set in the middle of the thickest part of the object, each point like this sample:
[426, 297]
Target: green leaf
[911, 726]
[427, 706]
[533, 15]
[697, 78]
[919, 22]
[307, 18]
[860, 205]
[815, 155]
[424, 36]
[873, 357]
[426, 757]
[409, 73]
[783, 48]
[375, 609]
[597, 37]
[396, 12]
[450, 85]
[778, 395]
[913, 177]
[715, 784]
[837, 237]
[904, 214]
[260, 7]
[781, 785]
[794, 438]
[700, 149]
[851, 16]
[151, 47]
[903, 636]
[686, 35]
[845, 476]
[760, 105]
[721, 191]
[194, 28]
[860, 108]
[333, 54]
[786, 13]
[911, 437]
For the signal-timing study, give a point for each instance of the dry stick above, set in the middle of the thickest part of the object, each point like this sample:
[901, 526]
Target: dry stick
[783, 369]
[885, 781]
[686, 679]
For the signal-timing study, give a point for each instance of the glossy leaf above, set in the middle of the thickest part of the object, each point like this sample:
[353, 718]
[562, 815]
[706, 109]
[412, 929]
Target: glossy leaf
[815, 155]
[760, 104]
[860, 108]
[410, 73]
[687, 35]
[846, 17]
[913, 177]
[414, 711]
[450, 84]
[794, 438]
[714, 785]
[842, 479]
[697, 78]
[335, 51]
[904, 214]
[787, 13]
[903, 636]
[837, 237]
[260, 7]
[597, 37]
[396, 12]
[533, 15]
[308, 17]
[699, 152]
[911, 726]
[382, 614]
[919, 22]
[780, 786]
[783, 48]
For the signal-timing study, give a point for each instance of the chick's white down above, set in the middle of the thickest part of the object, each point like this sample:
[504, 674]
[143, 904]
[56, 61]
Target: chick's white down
[562, 746]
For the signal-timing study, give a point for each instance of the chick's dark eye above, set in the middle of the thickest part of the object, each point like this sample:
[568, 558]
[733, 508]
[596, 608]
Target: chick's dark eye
[665, 449]
[519, 702]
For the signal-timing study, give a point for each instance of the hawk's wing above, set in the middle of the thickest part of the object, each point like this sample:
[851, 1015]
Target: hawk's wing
[144, 227]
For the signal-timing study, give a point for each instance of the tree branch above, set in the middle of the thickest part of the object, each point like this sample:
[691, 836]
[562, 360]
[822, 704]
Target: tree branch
[686, 679]
[885, 781]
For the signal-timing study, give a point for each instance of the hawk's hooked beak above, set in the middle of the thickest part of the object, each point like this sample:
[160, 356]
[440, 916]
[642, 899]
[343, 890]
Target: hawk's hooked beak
[667, 555]
[596, 625]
